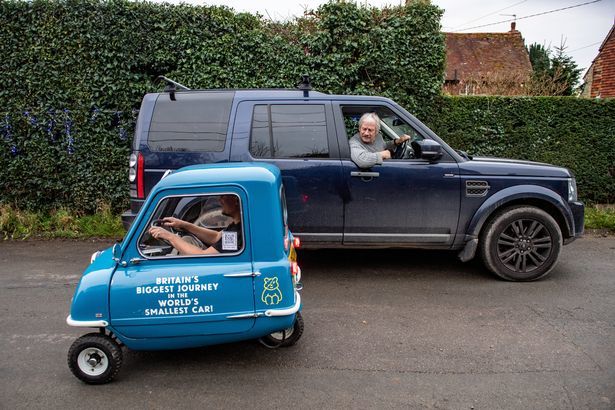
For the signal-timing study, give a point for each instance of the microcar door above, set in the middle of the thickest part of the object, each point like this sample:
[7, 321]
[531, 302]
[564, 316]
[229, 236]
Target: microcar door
[162, 293]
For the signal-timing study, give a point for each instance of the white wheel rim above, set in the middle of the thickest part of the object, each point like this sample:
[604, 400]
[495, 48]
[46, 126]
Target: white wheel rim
[280, 335]
[92, 353]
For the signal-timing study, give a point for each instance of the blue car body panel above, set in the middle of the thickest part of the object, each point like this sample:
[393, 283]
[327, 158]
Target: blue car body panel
[188, 301]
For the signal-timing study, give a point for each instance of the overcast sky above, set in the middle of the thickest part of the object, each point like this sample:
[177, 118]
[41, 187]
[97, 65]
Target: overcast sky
[582, 28]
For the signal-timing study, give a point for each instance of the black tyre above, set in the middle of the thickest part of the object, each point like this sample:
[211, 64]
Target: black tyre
[95, 358]
[521, 243]
[286, 337]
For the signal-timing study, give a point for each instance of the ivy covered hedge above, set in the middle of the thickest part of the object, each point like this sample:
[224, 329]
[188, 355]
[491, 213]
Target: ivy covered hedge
[567, 131]
[65, 62]
[74, 72]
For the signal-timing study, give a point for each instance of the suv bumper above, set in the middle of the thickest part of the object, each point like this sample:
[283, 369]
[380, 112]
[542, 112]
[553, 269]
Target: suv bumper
[127, 218]
[578, 218]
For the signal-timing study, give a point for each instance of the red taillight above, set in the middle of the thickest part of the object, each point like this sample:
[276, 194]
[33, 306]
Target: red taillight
[294, 268]
[296, 243]
[140, 189]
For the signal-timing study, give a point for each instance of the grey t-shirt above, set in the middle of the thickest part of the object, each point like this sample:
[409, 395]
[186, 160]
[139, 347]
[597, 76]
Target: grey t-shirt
[367, 155]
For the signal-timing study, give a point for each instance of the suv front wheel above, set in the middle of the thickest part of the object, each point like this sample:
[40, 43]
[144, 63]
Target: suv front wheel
[521, 243]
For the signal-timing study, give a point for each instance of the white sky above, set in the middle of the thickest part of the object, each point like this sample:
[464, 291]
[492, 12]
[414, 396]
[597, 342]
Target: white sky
[582, 28]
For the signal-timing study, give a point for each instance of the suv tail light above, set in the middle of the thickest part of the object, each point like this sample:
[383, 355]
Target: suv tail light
[135, 172]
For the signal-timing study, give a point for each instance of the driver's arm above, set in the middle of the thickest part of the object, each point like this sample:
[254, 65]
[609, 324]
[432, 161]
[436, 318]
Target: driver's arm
[207, 236]
[183, 247]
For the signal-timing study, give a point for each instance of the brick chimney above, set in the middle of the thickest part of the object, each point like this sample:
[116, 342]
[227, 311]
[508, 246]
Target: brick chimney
[513, 26]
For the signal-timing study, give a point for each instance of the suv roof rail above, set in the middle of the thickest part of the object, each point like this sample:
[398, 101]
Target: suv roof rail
[172, 86]
[305, 85]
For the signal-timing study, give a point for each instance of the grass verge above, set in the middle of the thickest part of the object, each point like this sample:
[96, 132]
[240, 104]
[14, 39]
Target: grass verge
[600, 217]
[15, 224]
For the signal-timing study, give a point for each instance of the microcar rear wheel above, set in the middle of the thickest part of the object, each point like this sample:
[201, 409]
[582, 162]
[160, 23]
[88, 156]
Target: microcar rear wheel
[286, 337]
[95, 358]
[521, 244]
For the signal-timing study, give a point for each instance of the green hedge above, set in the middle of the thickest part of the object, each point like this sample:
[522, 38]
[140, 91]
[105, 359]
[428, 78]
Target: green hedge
[74, 73]
[65, 62]
[567, 131]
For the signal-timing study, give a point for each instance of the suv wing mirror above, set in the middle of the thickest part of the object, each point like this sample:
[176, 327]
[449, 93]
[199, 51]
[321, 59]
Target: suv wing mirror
[427, 149]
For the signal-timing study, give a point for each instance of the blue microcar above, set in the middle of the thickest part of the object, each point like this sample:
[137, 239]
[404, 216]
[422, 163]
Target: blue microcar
[208, 260]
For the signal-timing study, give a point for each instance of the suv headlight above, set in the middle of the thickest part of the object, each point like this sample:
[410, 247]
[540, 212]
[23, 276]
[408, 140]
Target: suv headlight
[572, 190]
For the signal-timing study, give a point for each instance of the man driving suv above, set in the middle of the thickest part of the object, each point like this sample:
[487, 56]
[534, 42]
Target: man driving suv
[367, 148]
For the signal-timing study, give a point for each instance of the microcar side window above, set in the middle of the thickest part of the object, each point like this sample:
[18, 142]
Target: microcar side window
[289, 131]
[196, 225]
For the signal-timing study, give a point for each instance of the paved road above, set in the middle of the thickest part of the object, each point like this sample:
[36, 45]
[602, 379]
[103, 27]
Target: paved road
[384, 329]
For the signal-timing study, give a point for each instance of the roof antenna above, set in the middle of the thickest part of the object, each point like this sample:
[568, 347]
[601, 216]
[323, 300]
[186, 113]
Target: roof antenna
[171, 86]
[305, 85]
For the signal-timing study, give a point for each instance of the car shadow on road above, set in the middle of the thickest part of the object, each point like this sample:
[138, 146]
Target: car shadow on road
[411, 263]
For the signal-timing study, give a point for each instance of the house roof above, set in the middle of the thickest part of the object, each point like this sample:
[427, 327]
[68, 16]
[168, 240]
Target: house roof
[474, 55]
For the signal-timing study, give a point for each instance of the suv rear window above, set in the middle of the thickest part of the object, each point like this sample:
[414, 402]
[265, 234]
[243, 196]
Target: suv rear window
[194, 122]
[289, 131]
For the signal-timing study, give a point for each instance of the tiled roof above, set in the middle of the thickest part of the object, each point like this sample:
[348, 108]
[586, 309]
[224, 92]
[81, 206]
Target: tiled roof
[476, 55]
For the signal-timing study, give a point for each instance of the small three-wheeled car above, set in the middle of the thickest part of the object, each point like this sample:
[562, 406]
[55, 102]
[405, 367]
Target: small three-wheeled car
[208, 260]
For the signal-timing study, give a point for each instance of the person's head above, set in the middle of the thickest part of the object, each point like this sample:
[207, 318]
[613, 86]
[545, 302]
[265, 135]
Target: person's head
[369, 127]
[230, 205]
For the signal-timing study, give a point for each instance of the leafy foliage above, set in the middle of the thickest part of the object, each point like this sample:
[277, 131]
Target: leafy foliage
[74, 73]
[553, 73]
[575, 133]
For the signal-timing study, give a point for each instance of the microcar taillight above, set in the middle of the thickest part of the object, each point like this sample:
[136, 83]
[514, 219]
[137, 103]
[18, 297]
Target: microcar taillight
[296, 242]
[294, 268]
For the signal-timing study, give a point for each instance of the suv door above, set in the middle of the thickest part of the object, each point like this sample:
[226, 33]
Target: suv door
[403, 201]
[161, 294]
[299, 138]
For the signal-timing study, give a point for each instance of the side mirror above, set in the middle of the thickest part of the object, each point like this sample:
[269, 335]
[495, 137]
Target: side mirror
[427, 149]
[116, 252]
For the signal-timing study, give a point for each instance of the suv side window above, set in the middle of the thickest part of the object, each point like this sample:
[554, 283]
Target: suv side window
[195, 122]
[289, 131]
[391, 126]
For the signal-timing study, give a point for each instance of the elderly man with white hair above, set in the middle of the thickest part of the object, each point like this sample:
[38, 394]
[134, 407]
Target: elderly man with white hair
[367, 148]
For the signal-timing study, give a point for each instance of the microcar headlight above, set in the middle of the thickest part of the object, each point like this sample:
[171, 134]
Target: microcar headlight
[94, 256]
[572, 189]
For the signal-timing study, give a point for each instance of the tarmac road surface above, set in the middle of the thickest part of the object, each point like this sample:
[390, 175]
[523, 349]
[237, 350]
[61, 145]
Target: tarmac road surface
[383, 329]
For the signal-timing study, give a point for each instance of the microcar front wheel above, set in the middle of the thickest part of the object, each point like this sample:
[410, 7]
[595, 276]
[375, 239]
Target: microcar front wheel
[95, 358]
[286, 337]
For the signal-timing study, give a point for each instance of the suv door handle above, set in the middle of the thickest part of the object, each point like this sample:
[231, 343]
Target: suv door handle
[364, 174]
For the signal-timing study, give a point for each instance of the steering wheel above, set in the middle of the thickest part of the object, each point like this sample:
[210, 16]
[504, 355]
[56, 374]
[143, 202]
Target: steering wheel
[159, 223]
[400, 150]
[192, 239]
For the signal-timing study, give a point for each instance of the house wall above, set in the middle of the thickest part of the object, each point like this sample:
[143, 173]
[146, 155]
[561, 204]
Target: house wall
[603, 74]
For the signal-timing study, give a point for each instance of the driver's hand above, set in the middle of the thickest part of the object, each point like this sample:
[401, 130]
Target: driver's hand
[171, 222]
[402, 139]
[160, 233]
[386, 154]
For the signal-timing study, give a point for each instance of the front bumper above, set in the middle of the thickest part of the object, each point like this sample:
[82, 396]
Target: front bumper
[578, 218]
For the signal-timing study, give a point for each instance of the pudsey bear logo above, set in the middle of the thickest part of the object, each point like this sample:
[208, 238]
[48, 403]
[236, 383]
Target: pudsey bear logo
[271, 292]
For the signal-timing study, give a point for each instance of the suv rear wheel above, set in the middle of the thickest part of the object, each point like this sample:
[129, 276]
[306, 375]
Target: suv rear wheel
[521, 243]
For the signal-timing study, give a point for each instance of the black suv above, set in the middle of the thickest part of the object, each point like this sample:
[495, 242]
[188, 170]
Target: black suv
[517, 214]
